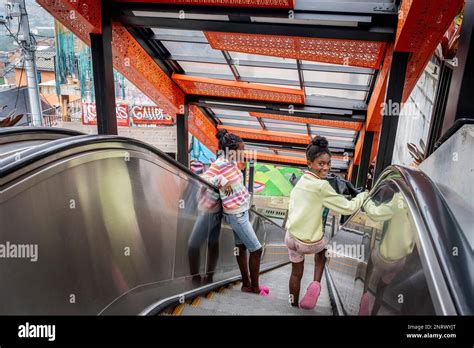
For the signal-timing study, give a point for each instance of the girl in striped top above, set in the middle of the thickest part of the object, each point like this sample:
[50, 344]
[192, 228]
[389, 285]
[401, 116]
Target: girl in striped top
[226, 175]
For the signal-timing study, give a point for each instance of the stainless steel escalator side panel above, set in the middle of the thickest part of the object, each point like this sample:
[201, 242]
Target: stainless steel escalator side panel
[116, 227]
[440, 294]
[398, 271]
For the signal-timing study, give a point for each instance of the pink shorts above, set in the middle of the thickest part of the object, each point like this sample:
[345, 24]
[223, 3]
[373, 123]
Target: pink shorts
[297, 250]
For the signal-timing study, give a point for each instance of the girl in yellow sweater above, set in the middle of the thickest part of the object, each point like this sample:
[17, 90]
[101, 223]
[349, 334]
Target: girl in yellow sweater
[305, 228]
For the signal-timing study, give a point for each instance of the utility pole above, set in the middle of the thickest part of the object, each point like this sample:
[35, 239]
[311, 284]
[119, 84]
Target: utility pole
[28, 47]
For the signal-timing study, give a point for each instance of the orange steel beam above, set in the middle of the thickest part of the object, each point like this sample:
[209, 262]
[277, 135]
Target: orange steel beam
[266, 135]
[367, 54]
[421, 26]
[285, 4]
[319, 122]
[236, 89]
[375, 107]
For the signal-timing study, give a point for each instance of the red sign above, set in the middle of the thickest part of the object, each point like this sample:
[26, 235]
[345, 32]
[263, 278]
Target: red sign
[150, 115]
[89, 114]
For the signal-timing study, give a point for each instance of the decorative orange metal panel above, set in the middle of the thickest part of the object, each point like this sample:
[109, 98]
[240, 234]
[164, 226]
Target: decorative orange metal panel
[286, 4]
[375, 107]
[421, 37]
[266, 135]
[235, 89]
[140, 69]
[82, 17]
[202, 128]
[367, 54]
[319, 122]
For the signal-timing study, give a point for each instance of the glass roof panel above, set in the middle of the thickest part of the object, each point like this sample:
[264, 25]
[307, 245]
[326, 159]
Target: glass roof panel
[339, 93]
[270, 73]
[229, 112]
[340, 131]
[260, 58]
[279, 86]
[241, 123]
[193, 68]
[205, 16]
[285, 127]
[332, 77]
[192, 49]
[319, 63]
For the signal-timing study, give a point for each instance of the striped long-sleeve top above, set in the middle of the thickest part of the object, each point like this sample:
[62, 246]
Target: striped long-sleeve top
[222, 172]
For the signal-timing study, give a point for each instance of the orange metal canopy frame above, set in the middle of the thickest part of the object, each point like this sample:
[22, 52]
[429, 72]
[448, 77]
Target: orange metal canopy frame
[422, 23]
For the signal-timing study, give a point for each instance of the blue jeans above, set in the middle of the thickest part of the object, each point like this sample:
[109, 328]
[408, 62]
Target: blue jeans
[243, 230]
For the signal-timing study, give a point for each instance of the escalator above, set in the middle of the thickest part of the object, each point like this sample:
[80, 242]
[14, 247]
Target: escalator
[110, 225]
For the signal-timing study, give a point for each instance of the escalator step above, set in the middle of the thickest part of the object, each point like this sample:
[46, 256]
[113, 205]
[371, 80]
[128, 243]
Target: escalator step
[178, 309]
[190, 310]
[195, 303]
[239, 303]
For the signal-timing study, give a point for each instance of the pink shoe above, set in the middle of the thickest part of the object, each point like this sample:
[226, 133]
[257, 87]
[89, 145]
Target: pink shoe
[262, 289]
[364, 304]
[311, 297]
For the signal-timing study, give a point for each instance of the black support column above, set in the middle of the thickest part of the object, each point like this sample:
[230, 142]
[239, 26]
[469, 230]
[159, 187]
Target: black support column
[101, 49]
[251, 175]
[365, 160]
[182, 137]
[355, 171]
[391, 112]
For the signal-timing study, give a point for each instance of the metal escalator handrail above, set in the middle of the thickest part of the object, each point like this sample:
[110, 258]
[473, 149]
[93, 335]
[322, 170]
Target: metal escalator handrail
[444, 231]
[31, 155]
